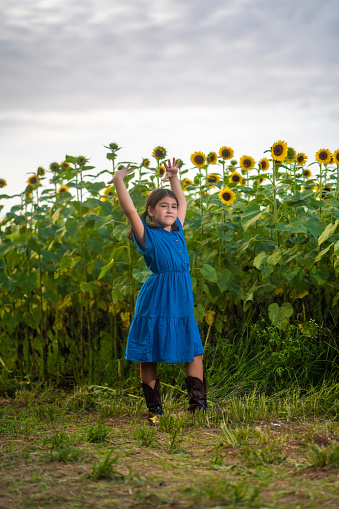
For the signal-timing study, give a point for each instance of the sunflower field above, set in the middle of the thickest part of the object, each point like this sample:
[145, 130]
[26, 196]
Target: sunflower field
[263, 241]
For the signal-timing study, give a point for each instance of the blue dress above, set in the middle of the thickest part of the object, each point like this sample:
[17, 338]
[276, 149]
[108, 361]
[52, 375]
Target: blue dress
[163, 328]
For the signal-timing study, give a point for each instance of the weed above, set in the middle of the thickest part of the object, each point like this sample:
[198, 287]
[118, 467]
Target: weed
[169, 423]
[234, 437]
[224, 495]
[106, 468]
[16, 425]
[144, 435]
[97, 434]
[62, 448]
[323, 456]
[175, 441]
[267, 456]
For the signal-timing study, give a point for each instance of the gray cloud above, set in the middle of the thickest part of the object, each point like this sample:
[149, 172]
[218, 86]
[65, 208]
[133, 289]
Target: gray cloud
[103, 54]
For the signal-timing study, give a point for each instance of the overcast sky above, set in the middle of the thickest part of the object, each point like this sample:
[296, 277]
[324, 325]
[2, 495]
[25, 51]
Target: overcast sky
[189, 75]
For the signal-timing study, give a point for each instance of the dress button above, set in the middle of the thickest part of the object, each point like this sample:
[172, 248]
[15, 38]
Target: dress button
[180, 251]
[185, 262]
[176, 240]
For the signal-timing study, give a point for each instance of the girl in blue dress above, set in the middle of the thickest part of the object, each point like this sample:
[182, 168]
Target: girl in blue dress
[163, 328]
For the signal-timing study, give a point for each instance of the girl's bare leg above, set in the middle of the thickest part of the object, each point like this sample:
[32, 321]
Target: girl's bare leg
[195, 368]
[148, 373]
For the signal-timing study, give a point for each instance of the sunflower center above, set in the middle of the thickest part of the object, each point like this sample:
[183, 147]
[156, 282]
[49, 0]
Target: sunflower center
[235, 178]
[278, 150]
[199, 159]
[159, 153]
[323, 155]
[263, 165]
[300, 159]
[33, 180]
[337, 157]
[226, 153]
[226, 196]
[247, 163]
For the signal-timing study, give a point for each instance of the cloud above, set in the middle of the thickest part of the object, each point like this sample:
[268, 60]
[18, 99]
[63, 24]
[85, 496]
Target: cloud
[73, 55]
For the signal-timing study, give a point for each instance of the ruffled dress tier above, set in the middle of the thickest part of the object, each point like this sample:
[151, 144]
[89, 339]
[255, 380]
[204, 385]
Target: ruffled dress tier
[163, 328]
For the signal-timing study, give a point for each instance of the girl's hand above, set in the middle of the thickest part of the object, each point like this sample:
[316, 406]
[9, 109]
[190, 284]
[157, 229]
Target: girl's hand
[121, 173]
[171, 169]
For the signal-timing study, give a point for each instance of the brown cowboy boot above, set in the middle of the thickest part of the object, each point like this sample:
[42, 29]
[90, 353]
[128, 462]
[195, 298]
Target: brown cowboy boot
[196, 390]
[153, 402]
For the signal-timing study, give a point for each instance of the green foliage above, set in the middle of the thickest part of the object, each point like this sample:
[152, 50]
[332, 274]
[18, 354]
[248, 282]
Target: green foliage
[106, 467]
[323, 456]
[264, 276]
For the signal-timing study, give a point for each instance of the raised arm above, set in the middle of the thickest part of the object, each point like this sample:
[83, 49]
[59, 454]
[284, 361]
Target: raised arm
[172, 175]
[127, 204]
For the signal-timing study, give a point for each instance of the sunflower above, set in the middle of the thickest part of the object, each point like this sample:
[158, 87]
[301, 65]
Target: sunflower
[235, 178]
[279, 151]
[40, 171]
[63, 189]
[64, 165]
[212, 178]
[301, 158]
[226, 152]
[262, 179]
[325, 192]
[109, 191]
[29, 195]
[309, 185]
[33, 180]
[162, 170]
[114, 146]
[198, 159]
[323, 156]
[264, 164]
[180, 161]
[246, 163]
[212, 158]
[54, 166]
[145, 163]
[335, 156]
[81, 160]
[185, 183]
[291, 154]
[226, 196]
[307, 173]
[3, 183]
[159, 153]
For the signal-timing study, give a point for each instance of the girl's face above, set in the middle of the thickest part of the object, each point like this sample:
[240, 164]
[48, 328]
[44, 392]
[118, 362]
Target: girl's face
[164, 213]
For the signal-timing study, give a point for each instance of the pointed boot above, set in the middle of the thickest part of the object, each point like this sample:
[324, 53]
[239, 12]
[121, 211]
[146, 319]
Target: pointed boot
[196, 390]
[153, 402]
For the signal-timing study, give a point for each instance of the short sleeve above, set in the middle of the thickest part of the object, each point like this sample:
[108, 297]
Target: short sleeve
[149, 241]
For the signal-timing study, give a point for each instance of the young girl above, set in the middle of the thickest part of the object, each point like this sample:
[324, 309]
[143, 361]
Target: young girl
[163, 328]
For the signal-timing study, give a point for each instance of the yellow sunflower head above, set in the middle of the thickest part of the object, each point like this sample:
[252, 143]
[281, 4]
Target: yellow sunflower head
[81, 160]
[185, 183]
[301, 158]
[264, 164]
[145, 163]
[40, 171]
[198, 159]
[63, 189]
[235, 178]
[33, 180]
[309, 185]
[261, 179]
[212, 158]
[162, 170]
[55, 166]
[226, 196]
[335, 156]
[64, 165]
[109, 191]
[159, 153]
[3, 183]
[307, 173]
[291, 154]
[212, 178]
[226, 152]
[246, 163]
[279, 151]
[323, 156]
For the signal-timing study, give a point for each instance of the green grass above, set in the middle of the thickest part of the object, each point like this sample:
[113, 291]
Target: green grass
[88, 450]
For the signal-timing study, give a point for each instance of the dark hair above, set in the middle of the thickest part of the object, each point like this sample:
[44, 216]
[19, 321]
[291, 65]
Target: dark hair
[152, 200]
